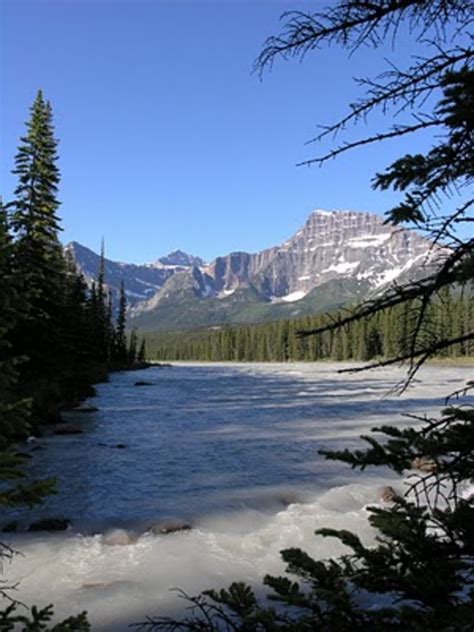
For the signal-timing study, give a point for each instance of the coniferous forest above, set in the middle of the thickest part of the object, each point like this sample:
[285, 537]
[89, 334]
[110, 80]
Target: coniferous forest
[381, 336]
[58, 335]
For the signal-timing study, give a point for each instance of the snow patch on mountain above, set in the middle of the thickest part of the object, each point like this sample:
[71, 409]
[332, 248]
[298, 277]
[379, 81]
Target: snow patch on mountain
[293, 297]
[368, 241]
[343, 267]
[351, 250]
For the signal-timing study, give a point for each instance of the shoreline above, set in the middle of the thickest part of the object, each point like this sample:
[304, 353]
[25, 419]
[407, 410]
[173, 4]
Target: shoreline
[458, 362]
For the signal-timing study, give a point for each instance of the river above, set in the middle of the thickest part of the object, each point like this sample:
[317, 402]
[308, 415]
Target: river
[231, 450]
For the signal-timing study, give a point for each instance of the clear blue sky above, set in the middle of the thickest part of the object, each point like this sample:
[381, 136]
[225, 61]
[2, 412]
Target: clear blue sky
[167, 139]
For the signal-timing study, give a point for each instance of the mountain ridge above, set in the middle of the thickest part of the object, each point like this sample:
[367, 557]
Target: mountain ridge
[335, 258]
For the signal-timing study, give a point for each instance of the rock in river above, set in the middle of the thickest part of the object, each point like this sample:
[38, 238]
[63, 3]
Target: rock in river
[50, 524]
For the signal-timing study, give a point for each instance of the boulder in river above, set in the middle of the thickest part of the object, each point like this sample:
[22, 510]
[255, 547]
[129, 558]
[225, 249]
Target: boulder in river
[170, 526]
[85, 408]
[119, 537]
[50, 524]
[388, 494]
[287, 498]
[10, 527]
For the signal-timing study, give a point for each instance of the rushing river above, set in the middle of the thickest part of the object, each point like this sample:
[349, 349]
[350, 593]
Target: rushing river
[231, 449]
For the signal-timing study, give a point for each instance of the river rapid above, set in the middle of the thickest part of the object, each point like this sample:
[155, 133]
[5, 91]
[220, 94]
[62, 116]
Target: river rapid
[231, 450]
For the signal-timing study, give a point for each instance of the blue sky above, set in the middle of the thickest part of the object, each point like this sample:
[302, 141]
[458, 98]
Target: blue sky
[167, 139]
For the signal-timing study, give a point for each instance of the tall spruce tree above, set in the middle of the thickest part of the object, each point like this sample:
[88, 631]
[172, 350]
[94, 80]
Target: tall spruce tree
[120, 331]
[37, 251]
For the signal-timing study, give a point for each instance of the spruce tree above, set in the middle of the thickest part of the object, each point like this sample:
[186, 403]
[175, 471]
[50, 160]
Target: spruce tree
[120, 330]
[132, 347]
[141, 357]
[38, 253]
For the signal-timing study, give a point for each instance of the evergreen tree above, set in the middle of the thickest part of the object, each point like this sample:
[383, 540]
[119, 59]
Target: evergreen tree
[38, 253]
[132, 347]
[141, 357]
[120, 331]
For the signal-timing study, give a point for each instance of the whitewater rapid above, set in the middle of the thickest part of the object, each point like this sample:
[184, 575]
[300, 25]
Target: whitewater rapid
[230, 449]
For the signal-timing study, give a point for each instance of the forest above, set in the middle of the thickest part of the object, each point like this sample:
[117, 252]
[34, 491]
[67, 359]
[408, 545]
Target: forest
[58, 336]
[383, 335]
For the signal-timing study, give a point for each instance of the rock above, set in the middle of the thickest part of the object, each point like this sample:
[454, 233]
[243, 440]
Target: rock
[120, 446]
[170, 526]
[85, 408]
[287, 498]
[119, 537]
[139, 366]
[92, 585]
[143, 383]
[424, 464]
[67, 429]
[388, 494]
[50, 524]
[10, 527]
[345, 249]
[123, 583]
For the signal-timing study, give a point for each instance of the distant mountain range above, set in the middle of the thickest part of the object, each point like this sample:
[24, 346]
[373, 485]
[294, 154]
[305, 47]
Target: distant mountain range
[336, 258]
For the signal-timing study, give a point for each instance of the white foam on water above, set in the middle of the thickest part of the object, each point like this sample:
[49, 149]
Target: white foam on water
[120, 583]
[124, 575]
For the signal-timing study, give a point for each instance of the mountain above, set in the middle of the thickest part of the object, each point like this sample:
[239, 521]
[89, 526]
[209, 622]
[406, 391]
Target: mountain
[141, 281]
[336, 258]
[178, 258]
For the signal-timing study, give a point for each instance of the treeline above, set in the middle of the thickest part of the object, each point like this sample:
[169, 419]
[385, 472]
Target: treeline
[385, 334]
[57, 336]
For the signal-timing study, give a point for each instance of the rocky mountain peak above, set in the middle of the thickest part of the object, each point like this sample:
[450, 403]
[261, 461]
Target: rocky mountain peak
[180, 258]
[337, 257]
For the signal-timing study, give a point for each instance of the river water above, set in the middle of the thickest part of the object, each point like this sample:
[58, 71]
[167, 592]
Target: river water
[230, 449]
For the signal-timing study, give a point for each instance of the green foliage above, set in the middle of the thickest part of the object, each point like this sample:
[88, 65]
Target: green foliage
[14, 410]
[40, 619]
[120, 337]
[385, 334]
